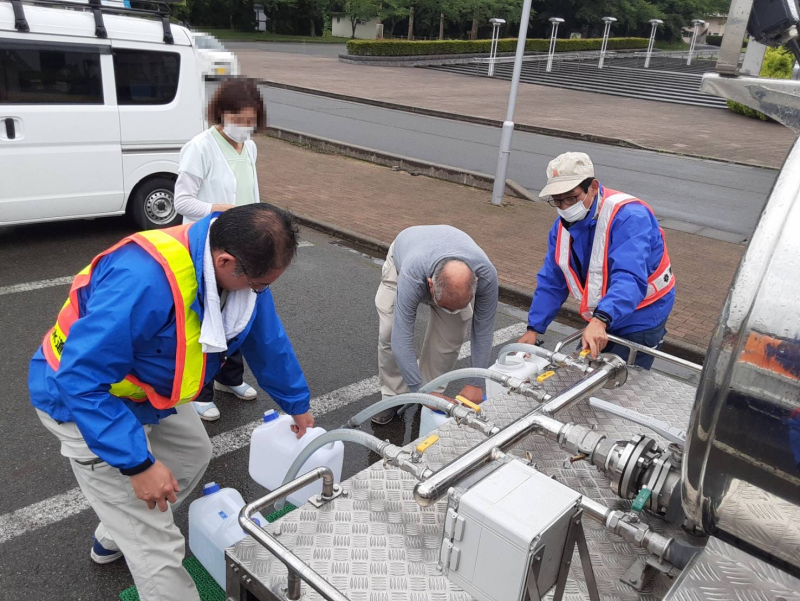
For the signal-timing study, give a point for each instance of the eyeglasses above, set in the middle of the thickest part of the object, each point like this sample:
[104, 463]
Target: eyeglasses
[257, 288]
[565, 202]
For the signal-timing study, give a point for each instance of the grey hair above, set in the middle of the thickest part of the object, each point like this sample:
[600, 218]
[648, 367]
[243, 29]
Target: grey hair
[441, 281]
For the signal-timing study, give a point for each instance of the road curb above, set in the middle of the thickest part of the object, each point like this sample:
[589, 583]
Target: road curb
[523, 295]
[464, 177]
[533, 129]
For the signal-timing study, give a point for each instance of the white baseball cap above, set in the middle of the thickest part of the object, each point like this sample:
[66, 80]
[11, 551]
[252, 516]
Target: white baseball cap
[566, 171]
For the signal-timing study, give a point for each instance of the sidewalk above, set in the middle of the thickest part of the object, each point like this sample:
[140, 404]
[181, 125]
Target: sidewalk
[704, 132]
[377, 203]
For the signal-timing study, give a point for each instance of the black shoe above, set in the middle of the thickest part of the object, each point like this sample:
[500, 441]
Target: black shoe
[385, 416]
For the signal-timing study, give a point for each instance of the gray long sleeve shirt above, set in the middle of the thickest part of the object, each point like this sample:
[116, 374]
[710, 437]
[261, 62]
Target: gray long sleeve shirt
[417, 251]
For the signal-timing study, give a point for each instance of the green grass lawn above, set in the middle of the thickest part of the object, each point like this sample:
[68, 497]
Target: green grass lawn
[262, 36]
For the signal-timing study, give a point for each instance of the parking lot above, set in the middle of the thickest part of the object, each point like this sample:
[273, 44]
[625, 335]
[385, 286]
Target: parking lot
[326, 303]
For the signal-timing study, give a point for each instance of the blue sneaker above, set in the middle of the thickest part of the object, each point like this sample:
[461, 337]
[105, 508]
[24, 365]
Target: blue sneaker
[102, 555]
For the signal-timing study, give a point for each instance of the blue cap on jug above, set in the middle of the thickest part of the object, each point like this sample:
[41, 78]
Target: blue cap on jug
[210, 488]
[270, 415]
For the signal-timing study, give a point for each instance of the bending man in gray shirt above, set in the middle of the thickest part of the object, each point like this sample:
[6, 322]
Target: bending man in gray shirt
[442, 267]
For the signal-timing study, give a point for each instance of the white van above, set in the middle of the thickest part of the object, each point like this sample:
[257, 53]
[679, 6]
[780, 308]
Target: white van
[95, 105]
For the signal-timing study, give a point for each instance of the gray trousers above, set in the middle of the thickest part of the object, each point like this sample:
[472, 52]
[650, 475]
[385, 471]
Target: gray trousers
[443, 338]
[153, 545]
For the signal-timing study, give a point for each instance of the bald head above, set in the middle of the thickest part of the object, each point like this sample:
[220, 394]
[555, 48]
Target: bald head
[453, 284]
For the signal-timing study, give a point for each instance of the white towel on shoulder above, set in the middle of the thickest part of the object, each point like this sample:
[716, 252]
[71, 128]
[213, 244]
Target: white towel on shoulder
[220, 325]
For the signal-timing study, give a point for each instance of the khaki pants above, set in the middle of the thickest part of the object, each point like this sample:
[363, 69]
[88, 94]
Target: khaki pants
[153, 546]
[443, 338]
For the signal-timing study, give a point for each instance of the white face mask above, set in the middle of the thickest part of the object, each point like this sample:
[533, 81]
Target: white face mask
[574, 213]
[238, 133]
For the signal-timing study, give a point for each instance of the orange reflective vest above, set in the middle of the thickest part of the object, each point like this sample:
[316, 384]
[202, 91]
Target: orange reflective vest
[659, 283]
[170, 248]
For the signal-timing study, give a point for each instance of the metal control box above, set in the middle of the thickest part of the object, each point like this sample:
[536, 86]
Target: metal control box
[509, 527]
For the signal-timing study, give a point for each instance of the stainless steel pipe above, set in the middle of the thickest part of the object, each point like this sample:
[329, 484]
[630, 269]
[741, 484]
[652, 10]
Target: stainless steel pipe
[628, 527]
[293, 563]
[426, 493]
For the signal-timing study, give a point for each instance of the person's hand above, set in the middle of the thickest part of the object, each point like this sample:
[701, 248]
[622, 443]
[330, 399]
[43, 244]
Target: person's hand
[595, 337]
[472, 394]
[155, 486]
[217, 208]
[528, 337]
[301, 423]
[441, 396]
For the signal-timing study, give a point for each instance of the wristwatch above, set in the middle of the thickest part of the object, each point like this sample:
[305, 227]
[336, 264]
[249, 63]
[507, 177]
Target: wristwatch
[602, 317]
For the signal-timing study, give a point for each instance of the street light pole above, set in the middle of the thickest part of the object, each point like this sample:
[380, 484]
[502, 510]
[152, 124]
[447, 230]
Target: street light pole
[553, 37]
[496, 24]
[697, 23]
[508, 125]
[604, 46]
[655, 23]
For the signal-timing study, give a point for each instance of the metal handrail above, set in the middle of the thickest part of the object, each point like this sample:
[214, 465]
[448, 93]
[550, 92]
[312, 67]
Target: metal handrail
[635, 349]
[297, 568]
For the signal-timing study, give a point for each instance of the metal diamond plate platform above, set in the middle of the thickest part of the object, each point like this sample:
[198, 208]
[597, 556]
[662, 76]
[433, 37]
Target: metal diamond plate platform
[377, 544]
[723, 572]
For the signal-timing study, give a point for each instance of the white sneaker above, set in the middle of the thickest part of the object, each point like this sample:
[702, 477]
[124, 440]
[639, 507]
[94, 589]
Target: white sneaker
[244, 391]
[101, 555]
[207, 411]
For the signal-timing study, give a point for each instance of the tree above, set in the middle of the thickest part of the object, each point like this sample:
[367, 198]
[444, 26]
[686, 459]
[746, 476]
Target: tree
[360, 10]
[480, 11]
[633, 15]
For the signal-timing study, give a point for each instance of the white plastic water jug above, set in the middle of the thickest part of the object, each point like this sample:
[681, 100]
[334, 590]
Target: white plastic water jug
[273, 448]
[429, 420]
[518, 366]
[214, 526]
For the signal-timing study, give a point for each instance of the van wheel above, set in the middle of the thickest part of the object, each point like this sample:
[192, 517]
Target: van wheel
[153, 204]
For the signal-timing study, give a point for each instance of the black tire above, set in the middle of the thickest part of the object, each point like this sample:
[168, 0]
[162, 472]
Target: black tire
[152, 206]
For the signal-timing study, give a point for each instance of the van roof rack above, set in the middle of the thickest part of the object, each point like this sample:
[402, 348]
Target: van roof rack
[161, 11]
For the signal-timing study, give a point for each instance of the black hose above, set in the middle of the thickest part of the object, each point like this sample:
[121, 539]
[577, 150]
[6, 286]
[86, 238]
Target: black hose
[680, 553]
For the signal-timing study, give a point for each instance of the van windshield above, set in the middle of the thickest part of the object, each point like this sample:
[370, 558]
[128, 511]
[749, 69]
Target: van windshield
[208, 42]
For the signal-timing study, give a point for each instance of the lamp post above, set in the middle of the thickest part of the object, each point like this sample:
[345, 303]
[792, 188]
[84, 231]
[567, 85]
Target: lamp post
[655, 23]
[555, 21]
[496, 24]
[697, 24]
[604, 46]
[499, 188]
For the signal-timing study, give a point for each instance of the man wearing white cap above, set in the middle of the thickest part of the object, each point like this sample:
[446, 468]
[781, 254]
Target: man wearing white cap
[607, 250]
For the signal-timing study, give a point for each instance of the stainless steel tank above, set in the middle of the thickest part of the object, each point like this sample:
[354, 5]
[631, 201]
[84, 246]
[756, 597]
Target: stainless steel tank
[741, 476]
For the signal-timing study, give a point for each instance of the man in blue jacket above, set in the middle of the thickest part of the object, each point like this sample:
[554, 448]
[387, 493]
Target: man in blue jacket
[607, 250]
[147, 324]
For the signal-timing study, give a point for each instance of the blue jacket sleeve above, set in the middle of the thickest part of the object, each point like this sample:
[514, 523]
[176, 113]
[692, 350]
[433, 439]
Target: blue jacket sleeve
[629, 251]
[271, 358]
[551, 289]
[128, 300]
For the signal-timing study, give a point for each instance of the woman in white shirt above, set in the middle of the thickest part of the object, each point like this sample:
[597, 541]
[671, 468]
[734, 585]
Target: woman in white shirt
[218, 171]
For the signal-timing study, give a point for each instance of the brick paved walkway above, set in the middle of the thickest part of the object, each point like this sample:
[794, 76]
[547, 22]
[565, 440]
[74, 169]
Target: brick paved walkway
[378, 203]
[658, 125]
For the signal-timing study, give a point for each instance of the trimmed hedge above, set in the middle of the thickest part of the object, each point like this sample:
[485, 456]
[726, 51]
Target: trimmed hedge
[401, 48]
[778, 64]
[714, 40]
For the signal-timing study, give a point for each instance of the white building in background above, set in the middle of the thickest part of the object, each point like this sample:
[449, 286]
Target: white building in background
[261, 17]
[715, 25]
[342, 28]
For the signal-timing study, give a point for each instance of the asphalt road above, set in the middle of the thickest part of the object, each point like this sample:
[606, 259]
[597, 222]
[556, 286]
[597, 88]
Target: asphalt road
[699, 196]
[326, 302]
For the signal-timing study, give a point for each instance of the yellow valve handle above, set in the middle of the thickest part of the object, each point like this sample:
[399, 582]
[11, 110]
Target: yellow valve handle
[468, 403]
[585, 352]
[545, 375]
[427, 443]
